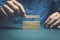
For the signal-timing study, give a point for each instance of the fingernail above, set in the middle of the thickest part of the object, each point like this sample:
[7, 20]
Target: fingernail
[58, 27]
[51, 26]
[24, 15]
[47, 25]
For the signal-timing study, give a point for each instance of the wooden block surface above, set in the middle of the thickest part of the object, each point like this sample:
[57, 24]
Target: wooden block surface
[31, 24]
[32, 16]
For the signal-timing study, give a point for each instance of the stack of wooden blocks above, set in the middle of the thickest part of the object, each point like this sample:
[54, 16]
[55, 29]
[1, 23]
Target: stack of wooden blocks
[31, 24]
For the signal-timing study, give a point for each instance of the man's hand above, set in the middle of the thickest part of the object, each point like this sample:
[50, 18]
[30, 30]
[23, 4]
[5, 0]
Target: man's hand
[12, 8]
[53, 21]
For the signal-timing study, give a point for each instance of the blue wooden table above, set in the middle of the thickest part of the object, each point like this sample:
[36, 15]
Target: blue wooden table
[37, 34]
[16, 32]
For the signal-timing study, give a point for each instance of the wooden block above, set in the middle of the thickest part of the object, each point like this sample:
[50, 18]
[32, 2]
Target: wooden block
[31, 24]
[32, 16]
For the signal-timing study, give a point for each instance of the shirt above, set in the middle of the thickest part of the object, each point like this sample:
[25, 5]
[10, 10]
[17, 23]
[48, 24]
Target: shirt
[44, 8]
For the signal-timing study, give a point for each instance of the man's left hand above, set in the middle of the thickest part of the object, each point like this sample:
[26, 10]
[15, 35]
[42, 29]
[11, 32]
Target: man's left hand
[53, 21]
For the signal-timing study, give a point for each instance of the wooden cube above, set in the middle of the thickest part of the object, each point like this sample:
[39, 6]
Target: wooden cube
[31, 24]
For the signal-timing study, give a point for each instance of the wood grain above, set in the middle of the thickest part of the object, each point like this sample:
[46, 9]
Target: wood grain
[31, 24]
[32, 16]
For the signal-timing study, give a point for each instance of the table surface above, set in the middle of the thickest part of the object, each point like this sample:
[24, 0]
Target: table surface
[37, 34]
[20, 34]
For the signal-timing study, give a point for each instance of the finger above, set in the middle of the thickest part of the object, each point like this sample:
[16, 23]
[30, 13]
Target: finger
[1, 15]
[55, 24]
[54, 19]
[58, 27]
[13, 7]
[51, 17]
[21, 8]
[8, 10]
[3, 12]
[11, 0]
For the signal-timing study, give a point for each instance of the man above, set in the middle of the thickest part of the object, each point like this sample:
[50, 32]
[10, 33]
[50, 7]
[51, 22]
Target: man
[47, 9]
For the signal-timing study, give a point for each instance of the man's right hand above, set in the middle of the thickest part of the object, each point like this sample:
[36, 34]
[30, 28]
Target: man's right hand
[12, 8]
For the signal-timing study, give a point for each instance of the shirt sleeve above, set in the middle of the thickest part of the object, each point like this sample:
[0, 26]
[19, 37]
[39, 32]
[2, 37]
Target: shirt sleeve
[56, 5]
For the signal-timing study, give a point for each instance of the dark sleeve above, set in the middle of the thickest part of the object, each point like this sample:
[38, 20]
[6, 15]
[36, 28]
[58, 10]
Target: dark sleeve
[56, 5]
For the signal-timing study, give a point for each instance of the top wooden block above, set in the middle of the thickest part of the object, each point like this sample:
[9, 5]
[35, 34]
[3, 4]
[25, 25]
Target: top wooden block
[32, 16]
